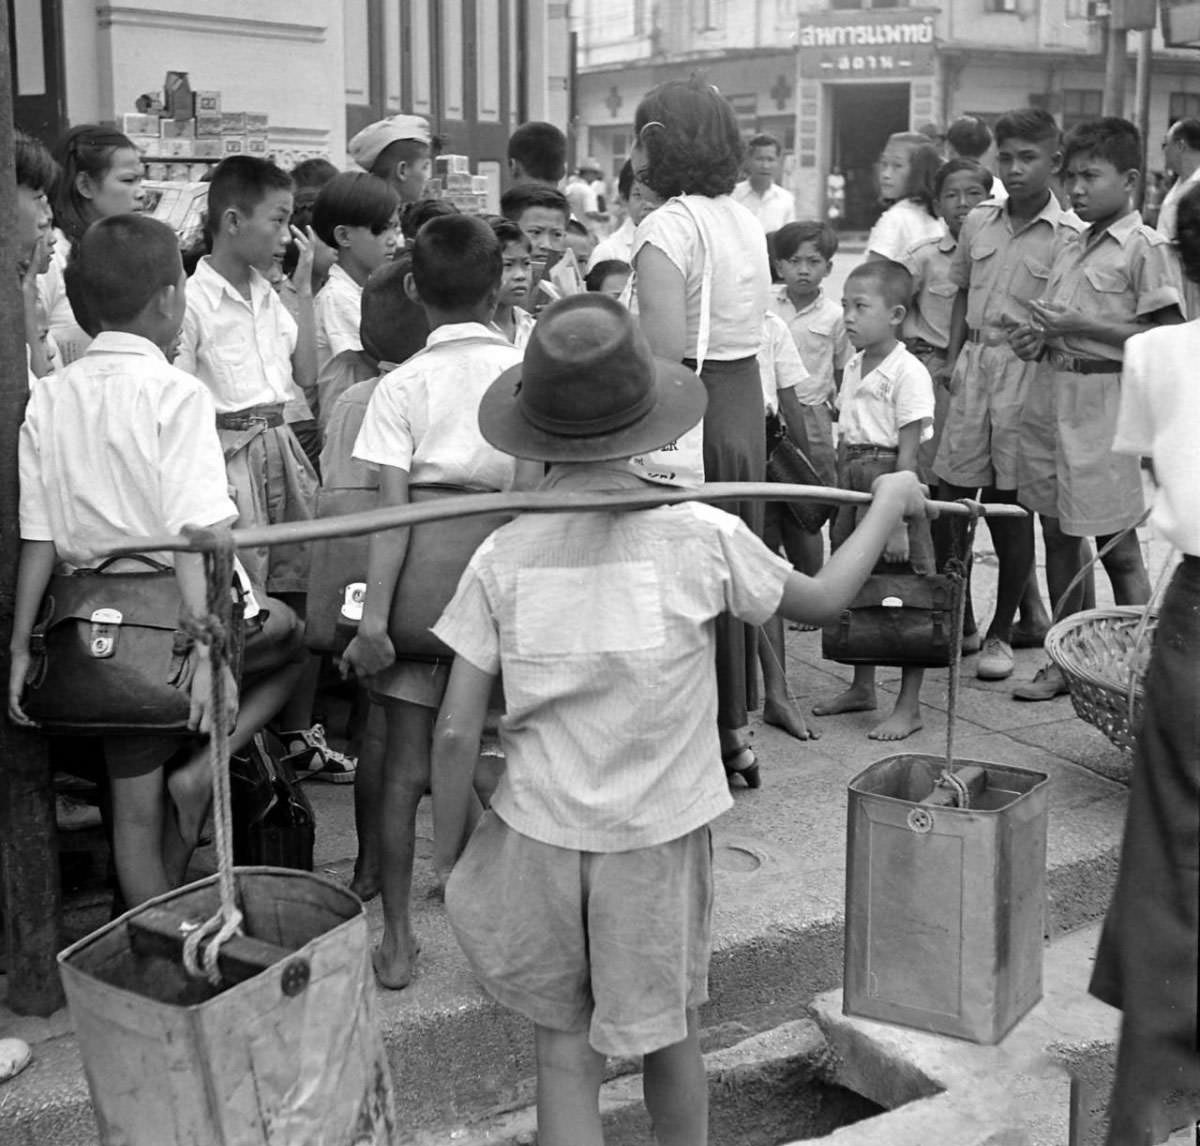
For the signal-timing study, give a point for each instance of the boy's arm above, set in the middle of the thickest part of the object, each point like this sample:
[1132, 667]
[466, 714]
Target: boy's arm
[39, 359]
[371, 649]
[304, 356]
[455, 752]
[896, 549]
[1058, 321]
[793, 417]
[819, 599]
[958, 328]
[34, 569]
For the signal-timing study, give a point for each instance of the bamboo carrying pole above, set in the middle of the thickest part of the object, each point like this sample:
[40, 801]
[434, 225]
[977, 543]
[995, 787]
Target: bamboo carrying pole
[474, 504]
[28, 840]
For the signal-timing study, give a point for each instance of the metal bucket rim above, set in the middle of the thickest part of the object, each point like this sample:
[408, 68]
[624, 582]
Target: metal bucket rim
[67, 954]
[1042, 778]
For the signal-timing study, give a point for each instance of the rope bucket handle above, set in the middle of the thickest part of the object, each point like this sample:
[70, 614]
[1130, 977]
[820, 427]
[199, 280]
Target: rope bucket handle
[212, 633]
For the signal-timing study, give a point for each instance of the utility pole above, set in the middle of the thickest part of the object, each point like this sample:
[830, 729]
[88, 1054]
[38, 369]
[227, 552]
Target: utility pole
[1141, 114]
[28, 837]
[1115, 48]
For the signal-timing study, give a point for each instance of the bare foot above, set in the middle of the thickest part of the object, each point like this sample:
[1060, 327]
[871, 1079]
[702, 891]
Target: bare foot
[852, 700]
[784, 714]
[394, 962]
[365, 884]
[190, 789]
[900, 724]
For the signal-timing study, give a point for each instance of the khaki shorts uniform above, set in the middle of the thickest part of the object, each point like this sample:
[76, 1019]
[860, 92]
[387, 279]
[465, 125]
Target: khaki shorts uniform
[1067, 468]
[1002, 271]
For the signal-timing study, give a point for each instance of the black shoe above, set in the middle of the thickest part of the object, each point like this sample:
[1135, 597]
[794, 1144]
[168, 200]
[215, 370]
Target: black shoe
[736, 765]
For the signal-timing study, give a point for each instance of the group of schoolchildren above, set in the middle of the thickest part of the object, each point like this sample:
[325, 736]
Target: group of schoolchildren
[580, 899]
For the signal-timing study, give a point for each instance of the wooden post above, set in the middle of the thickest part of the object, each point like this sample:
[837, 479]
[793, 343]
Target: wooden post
[28, 837]
[1116, 45]
[1141, 114]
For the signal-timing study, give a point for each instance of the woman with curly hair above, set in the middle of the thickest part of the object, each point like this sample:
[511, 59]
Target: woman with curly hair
[703, 279]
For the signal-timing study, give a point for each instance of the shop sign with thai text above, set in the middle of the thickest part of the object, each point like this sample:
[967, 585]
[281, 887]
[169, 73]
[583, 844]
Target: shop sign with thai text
[887, 43]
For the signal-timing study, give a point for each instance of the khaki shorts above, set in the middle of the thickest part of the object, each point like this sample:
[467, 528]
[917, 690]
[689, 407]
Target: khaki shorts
[980, 439]
[1067, 467]
[613, 943]
[415, 682]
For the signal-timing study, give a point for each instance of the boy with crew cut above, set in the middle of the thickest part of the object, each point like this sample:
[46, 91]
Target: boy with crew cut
[421, 429]
[1001, 264]
[118, 444]
[583, 899]
[537, 153]
[887, 410]
[541, 212]
[357, 216]
[1116, 279]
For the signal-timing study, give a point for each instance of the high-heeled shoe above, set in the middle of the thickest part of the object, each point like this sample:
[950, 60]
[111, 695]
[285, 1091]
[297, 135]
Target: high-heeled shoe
[735, 766]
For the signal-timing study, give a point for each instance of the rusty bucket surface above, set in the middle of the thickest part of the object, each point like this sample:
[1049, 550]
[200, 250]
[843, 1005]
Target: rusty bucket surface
[291, 1056]
[944, 905]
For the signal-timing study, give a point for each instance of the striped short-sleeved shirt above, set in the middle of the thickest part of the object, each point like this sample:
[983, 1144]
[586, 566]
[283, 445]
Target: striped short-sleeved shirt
[602, 624]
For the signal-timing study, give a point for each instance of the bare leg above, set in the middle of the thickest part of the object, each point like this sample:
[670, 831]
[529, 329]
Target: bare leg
[1032, 610]
[677, 1091]
[1013, 539]
[1126, 570]
[368, 800]
[859, 697]
[1063, 556]
[405, 781]
[138, 815]
[779, 709]
[906, 716]
[569, 1074]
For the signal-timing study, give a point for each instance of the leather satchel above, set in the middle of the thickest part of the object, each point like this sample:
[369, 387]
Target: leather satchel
[337, 573]
[273, 821]
[108, 656]
[902, 619]
[438, 554]
[789, 465]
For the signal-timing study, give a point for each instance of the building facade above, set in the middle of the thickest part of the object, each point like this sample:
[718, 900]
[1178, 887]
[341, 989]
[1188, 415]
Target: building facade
[833, 80]
[316, 69]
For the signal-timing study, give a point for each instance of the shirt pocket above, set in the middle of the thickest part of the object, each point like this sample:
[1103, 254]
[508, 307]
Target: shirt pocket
[983, 272]
[1108, 294]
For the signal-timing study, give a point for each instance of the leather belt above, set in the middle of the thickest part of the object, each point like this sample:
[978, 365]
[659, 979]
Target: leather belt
[988, 336]
[251, 418]
[1073, 364]
[865, 449]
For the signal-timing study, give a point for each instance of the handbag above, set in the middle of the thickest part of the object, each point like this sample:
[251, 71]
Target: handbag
[273, 821]
[437, 555]
[789, 465]
[902, 619]
[337, 574]
[108, 656]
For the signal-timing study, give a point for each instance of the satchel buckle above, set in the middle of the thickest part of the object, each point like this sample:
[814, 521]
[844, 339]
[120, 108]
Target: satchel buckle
[353, 600]
[105, 626]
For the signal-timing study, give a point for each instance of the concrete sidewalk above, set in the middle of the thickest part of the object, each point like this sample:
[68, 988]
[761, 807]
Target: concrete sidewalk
[780, 859]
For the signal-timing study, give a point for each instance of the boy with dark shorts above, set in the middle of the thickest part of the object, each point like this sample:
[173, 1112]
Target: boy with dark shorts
[1116, 279]
[583, 899]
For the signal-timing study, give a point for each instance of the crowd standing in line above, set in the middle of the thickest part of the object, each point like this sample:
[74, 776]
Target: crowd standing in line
[1013, 338]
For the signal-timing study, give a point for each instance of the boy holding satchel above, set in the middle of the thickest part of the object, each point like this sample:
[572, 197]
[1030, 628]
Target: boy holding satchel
[119, 444]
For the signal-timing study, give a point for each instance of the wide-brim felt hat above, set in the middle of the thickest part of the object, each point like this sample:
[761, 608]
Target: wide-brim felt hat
[589, 389]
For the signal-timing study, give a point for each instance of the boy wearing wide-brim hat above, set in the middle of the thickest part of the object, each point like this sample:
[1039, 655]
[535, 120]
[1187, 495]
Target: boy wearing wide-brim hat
[583, 899]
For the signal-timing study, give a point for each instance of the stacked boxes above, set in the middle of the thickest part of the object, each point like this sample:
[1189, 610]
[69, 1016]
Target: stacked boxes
[454, 182]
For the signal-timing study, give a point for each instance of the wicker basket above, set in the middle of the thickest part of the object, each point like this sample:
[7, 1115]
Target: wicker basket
[1100, 655]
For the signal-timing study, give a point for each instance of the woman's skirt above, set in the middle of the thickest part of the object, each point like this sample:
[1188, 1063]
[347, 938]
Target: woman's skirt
[735, 449]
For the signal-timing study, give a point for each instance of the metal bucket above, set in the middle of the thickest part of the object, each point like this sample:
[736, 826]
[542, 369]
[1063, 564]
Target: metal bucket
[289, 1057]
[944, 905]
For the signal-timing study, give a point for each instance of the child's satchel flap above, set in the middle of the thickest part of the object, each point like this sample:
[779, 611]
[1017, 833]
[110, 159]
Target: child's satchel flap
[901, 619]
[149, 599]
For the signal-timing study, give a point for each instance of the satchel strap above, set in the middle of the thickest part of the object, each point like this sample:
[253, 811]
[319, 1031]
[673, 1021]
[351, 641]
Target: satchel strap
[155, 566]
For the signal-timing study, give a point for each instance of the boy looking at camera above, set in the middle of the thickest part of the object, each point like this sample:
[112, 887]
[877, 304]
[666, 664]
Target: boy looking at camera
[1116, 279]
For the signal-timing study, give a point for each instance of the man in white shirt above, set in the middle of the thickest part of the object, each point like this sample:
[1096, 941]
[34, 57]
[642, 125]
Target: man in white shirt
[769, 203]
[1181, 157]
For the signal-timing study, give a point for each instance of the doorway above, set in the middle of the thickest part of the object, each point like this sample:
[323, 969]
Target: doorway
[864, 115]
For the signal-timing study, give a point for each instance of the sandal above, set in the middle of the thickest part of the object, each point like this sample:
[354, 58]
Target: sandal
[735, 765]
[316, 760]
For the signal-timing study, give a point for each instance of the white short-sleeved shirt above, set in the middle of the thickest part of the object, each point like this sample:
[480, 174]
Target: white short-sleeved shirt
[119, 444]
[901, 226]
[240, 348]
[819, 333]
[424, 415]
[338, 309]
[775, 207]
[780, 367]
[721, 252]
[618, 245]
[602, 625]
[1160, 418]
[895, 394]
[69, 339]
